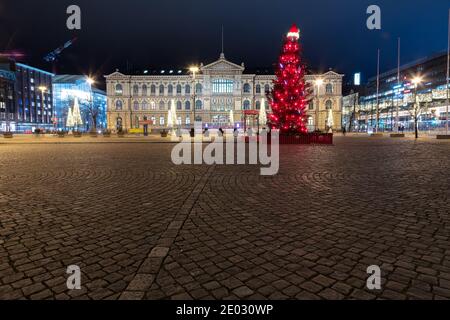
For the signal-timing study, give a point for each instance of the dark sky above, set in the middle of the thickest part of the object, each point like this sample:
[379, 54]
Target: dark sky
[177, 33]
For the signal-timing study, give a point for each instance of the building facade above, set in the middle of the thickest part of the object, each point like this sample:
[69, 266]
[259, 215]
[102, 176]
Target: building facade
[32, 97]
[91, 100]
[217, 96]
[398, 95]
[7, 99]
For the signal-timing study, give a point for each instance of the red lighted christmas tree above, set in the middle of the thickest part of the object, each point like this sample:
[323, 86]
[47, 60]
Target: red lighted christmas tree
[289, 96]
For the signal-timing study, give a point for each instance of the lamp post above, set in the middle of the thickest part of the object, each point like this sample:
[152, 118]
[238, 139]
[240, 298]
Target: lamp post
[91, 81]
[416, 81]
[318, 82]
[448, 75]
[194, 70]
[42, 89]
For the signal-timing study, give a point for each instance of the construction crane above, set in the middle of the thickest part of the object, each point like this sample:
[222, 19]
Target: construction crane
[54, 55]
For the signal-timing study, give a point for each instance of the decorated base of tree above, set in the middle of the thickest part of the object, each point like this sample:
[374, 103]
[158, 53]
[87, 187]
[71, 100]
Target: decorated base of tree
[290, 94]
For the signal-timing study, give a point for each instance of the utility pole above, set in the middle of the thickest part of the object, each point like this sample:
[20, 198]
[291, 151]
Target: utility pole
[378, 91]
[398, 85]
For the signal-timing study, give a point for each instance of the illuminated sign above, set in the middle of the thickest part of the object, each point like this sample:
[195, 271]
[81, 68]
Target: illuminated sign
[357, 79]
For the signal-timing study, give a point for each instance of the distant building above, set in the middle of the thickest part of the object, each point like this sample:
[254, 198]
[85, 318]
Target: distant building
[32, 96]
[395, 92]
[219, 91]
[66, 89]
[7, 98]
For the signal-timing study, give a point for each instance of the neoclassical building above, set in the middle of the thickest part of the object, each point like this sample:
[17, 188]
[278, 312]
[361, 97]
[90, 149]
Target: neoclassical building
[215, 93]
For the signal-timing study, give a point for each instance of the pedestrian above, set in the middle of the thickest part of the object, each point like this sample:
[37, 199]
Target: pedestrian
[344, 131]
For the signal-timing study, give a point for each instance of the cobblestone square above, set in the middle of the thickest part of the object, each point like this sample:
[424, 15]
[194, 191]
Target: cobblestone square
[140, 227]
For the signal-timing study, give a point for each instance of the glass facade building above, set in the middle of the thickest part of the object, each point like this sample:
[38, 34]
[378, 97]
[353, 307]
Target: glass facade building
[67, 89]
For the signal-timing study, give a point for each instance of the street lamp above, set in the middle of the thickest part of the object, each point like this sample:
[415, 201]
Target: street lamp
[42, 89]
[416, 81]
[91, 81]
[318, 82]
[194, 70]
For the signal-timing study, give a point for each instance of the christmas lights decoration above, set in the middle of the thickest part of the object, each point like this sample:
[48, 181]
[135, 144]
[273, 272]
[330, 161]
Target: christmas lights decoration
[289, 95]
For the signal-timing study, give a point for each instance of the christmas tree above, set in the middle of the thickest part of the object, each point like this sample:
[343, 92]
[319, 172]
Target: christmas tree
[289, 96]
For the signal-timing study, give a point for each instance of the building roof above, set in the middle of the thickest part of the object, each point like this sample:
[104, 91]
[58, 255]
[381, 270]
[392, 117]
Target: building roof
[34, 69]
[410, 65]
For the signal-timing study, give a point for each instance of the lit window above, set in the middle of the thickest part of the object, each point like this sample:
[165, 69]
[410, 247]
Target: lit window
[119, 89]
[246, 88]
[222, 86]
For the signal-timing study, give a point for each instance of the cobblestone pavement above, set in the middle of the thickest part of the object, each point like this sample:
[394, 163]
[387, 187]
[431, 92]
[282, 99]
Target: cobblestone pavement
[142, 228]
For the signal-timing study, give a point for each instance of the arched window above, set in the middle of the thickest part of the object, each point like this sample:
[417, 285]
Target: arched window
[145, 105]
[144, 90]
[170, 89]
[311, 105]
[187, 105]
[246, 88]
[329, 88]
[161, 105]
[258, 105]
[136, 106]
[119, 105]
[119, 89]
[198, 105]
[246, 105]
[198, 88]
[135, 89]
[153, 105]
[187, 89]
[179, 89]
[179, 105]
[153, 89]
[329, 104]
[161, 89]
[266, 88]
[258, 89]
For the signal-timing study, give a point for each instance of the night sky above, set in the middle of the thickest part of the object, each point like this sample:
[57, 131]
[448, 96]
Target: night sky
[157, 34]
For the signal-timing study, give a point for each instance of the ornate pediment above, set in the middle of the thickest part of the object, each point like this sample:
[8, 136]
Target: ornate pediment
[222, 66]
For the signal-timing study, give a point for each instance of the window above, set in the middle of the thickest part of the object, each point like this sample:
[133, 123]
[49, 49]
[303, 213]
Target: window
[187, 105]
[246, 88]
[119, 89]
[266, 88]
[198, 105]
[198, 88]
[310, 121]
[246, 105]
[161, 89]
[161, 120]
[258, 89]
[119, 105]
[136, 106]
[329, 104]
[179, 106]
[311, 105]
[153, 89]
[144, 90]
[161, 105]
[329, 88]
[136, 122]
[187, 89]
[222, 86]
[153, 105]
[135, 90]
[145, 105]
[179, 121]
[153, 120]
[188, 120]
[170, 89]
[258, 105]
[179, 89]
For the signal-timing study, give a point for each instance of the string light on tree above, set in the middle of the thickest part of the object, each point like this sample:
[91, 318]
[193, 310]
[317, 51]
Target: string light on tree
[289, 96]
